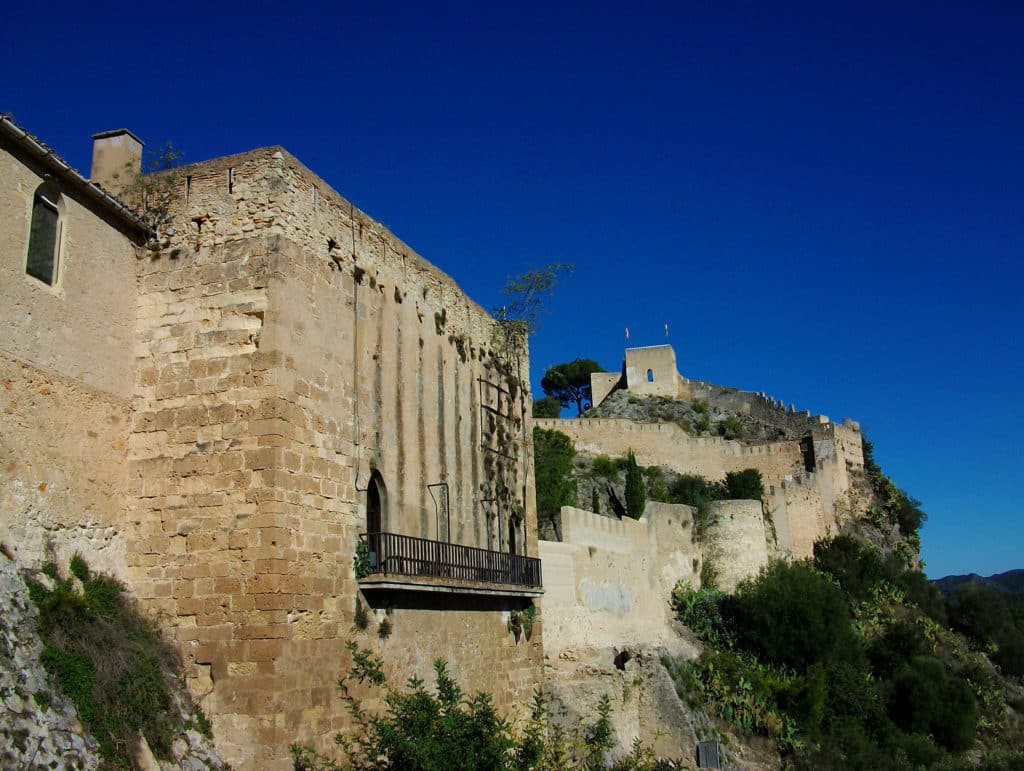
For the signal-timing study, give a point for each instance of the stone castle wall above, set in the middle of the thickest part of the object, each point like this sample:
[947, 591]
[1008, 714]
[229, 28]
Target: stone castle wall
[803, 506]
[737, 544]
[290, 346]
[66, 377]
[668, 444]
[608, 582]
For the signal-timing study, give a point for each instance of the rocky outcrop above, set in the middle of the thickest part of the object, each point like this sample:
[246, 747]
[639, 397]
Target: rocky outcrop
[39, 727]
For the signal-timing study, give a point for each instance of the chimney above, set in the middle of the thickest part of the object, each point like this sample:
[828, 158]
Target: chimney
[116, 159]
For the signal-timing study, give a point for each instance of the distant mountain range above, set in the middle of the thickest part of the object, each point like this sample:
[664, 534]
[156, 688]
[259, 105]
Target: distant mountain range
[1011, 582]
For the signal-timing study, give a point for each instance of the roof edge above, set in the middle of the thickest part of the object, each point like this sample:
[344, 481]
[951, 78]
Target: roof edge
[46, 156]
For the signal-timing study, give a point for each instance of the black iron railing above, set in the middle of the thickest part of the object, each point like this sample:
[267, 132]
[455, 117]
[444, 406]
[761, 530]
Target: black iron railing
[394, 554]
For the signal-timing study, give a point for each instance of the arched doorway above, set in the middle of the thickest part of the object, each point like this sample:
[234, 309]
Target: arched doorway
[376, 508]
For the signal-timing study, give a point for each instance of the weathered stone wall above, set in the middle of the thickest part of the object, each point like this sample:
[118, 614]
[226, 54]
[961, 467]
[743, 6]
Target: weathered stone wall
[290, 346]
[82, 327]
[660, 362]
[608, 582]
[62, 468]
[601, 384]
[668, 444]
[804, 506]
[67, 373]
[736, 542]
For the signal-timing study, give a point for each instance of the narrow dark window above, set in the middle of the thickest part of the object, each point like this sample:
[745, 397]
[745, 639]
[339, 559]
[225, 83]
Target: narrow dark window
[376, 504]
[44, 236]
[650, 376]
[231, 180]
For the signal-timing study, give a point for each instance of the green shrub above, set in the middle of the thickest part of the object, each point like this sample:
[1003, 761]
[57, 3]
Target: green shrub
[924, 698]
[110, 661]
[980, 612]
[746, 485]
[857, 568]
[899, 644]
[361, 560]
[360, 616]
[702, 424]
[741, 691]
[701, 611]
[731, 428]
[553, 454]
[421, 730]
[918, 590]
[792, 615]
[1010, 655]
[636, 496]
[78, 568]
[693, 490]
[657, 490]
[604, 466]
[548, 407]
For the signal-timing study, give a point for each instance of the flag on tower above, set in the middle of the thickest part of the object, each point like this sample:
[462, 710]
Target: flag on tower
[666, 329]
[627, 333]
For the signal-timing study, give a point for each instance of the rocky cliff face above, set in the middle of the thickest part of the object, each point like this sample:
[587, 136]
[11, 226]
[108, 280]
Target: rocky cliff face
[39, 727]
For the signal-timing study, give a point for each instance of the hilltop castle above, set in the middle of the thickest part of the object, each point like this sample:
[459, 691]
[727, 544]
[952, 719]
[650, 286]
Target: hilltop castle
[265, 413]
[810, 470]
[221, 420]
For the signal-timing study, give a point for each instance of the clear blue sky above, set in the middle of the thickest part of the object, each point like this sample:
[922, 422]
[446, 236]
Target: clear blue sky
[823, 201]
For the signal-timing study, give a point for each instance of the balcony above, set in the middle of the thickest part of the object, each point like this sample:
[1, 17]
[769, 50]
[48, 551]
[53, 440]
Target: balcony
[405, 563]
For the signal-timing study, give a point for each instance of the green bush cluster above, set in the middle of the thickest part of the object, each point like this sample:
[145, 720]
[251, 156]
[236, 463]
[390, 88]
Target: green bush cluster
[446, 730]
[841, 661]
[731, 427]
[636, 493]
[895, 506]
[694, 490]
[109, 660]
[985, 616]
[553, 454]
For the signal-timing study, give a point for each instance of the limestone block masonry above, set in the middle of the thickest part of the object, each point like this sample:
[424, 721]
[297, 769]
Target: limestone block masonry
[290, 347]
[803, 505]
[205, 423]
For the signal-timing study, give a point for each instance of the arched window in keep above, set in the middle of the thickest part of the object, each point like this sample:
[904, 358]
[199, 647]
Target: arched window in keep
[650, 376]
[376, 505]
[44, 235]
[376, 501]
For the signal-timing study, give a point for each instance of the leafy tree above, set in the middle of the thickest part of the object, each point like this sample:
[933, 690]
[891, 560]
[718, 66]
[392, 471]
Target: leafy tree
[570, 382]
[980, 612]
[519, 316]
[745, 485]
[548, 407]
[1010, 656]
[794, 616]
[694, 490]
[635, 494]
[856, 568]
[923, 593]
[925, 699]
[553, 452]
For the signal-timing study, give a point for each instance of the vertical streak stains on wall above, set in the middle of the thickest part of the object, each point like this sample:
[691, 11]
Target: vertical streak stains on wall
[382, 447]
[442, 439]
[421, 436]
[473, 415]
[401, 485]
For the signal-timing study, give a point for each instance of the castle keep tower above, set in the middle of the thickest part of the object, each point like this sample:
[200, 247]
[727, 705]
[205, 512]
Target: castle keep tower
[282, 380]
